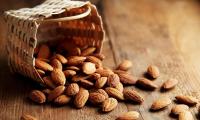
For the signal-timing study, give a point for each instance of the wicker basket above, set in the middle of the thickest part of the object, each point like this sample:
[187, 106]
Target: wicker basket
[28, 27]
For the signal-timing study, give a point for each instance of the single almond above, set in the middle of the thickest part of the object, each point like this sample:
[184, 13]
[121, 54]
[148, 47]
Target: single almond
[81, 98]
[132, 95]
[75, 51]
[153, 71]
[72, 89]
[125, 65]
[130, 115]
[186, 115]
[160, 103]
[96, 98]
[44, 52]
[74, 68]
[88, 51]
[62, 100]
[169, 84]
[69, 73]
[126, 78]
[104, 72]
[48, 82]
[101, 91]
[94, 60]
[43, 65]
[27, 117]
[113, 92]
[58, 77]
[76, 60]
[61, 58]
[86, 83]
[94, 76]
[177, 109]
[41, 72]
[113, 80]
[56, 92]
[109, 104]
[101, 82]
[79, 77]
[119, 87]
[146, 84]
[88, 68]
[37, 96]
[55, 63]
[188, 100]
[100, 56]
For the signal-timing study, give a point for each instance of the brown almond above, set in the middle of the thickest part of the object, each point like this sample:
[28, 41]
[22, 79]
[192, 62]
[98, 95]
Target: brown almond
[100, 56]
[55, 63]
[72, 89]
[146, 84]
[76, 60]
[62, 100]
[75, 51]
[125, 65]
[119, 87]
[46, 91]
[102, 92]
[86, 83]
[169, 84]
[101, 82]
[186, 115]
[96, 98]
[69, 73]
[94, 60]
[79, 77]
[104, 72]
[58, 77]
[43, 59]
[153, 71]
[56, 92]
[113, 92]
[88, 51]
[126, 78]
[188, 100]
[113, 80]
[132, 95]
[130, 115]
[37, 96]
[61, 58]
[48, 82]
[160, 103]
[88, 68]
[177, 109]
[74, 68]
[27, 117]
[81, 98]
[94, 76]
[43, 65]
[109, 104]
[44, 51]
[41, 72]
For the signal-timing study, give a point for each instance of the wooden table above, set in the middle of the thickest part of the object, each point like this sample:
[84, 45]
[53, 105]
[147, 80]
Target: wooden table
[160, 32]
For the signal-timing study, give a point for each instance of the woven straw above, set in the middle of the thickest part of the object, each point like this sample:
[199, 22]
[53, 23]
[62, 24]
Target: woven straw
[84, 25]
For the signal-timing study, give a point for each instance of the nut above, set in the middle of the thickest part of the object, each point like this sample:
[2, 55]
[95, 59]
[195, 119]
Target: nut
[27, 117]
[177, 109]
[113, 80]
[109, 104]
[81, 98]
[132, 95]
[188, 100]
[153, 71]
[88, 51]
[88, 68]
[62, 100]
[101, 82]
[114, 93]
[125, 65]
[72, 89]
[56, 92]
[37, 96]
[160, 103]
[169, 84]
[43, 65]
[146, 84]
[58, 77]
[131, 115]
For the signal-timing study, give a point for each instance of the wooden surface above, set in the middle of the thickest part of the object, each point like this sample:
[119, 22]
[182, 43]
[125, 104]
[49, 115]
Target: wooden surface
[160, 32]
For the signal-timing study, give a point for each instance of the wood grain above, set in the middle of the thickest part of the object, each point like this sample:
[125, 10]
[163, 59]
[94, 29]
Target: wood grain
[160, 32]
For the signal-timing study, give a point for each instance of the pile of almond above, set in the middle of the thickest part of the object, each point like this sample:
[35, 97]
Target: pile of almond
[78, 76]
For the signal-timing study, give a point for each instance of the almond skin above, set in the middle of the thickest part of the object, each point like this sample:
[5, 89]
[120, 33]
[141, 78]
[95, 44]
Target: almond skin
[74, 68]
[104, 72]
[101, 82]
[177, 109]
[126, 78]
[109, 104]
[55, 63]
[160, 103]
[188, 100]
[146, 84]
[153, 71]
[61, 58]
[125, 65]
[119, 87]
[100, 56]
[88, 68]
[37, 96]
[72, 89]
[27, 117]
[62, 100]
[94, 60]
[113, 80]
[58, 77]
[169, 84]
[132, 95]
[43, 65]
[102, 92]
[76, 60]
[81, 98]
[94, 76]
[186, 115]
[113, 92]
[88, 51]
[96, 98]
[44, 52]
[86, 83]
[69, 73]
[131, 115]
[56, 92]
[48, 82]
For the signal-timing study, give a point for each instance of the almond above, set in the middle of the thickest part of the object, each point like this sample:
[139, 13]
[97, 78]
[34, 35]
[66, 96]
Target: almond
[96, 97]
[131, 115]
[72, 89]
[48, 82]
[102, 92]
[126, 78]
[75, 51]
[58, 77]
[113, 80]
[46, 91]
[74, 68]
[94, 76]
[56, 92]
[99, 56]
[125, 65]
[88, 51]
[86, 83]
[61, 58]
[104, 72]
[81, 98]
[109, 104]
[101, 82]
[69, 73]
[62, 100]
[132, 95]
[88, 68]
[177, 109]
[186, 115]
[37, 96]
[55, 63]
[114, 93]
[44, 52]
[94, 60]
[153, 71]
[27, 117]
[79, 77]
[146, 84]
[41, 72]
[169, 84]
[188, 100]
[160, 103]
[43, 65]
[76, 60]
[119, 87]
